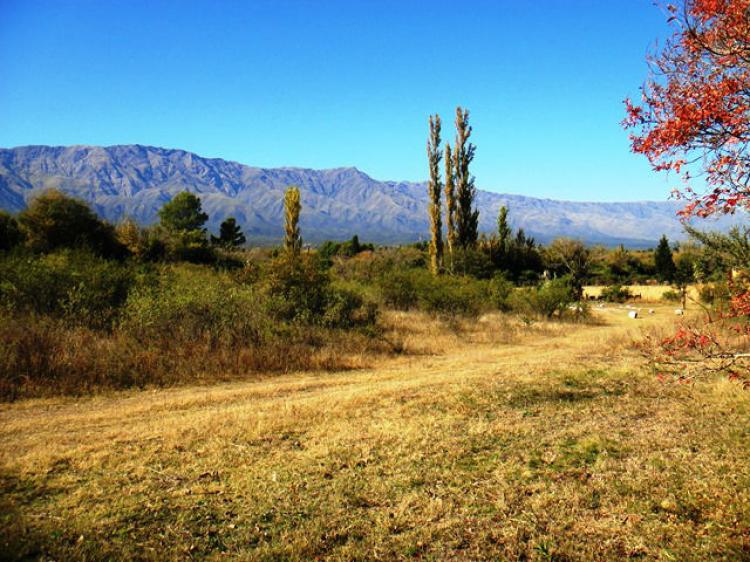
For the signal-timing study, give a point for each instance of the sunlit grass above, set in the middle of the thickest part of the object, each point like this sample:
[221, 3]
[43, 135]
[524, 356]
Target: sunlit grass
[491, 440]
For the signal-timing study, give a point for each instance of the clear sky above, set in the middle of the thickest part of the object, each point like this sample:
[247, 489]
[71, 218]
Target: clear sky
[322, 84]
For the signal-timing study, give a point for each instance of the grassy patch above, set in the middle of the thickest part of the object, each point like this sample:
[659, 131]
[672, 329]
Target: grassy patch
[486, 452]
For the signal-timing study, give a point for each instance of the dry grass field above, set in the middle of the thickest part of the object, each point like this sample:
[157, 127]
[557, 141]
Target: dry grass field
[485, 440]
[648, 293]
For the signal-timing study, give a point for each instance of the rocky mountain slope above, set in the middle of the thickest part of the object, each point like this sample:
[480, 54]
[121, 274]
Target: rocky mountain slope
[134, 181]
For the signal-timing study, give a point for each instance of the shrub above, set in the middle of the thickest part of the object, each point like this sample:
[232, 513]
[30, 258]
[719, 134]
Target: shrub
[10, 233]
[144, 244]
[499, 291]
[43, 356]
[188, 245]
[452, 295]
[473, 263]
[715, 293]
[616, 293]
[346, 309]
[53, 220]
[369, 267]
[671, 296]
[190, 304]
[73, 285]
[445, 294]
[546, 300]
[399, 290]
[300, 291]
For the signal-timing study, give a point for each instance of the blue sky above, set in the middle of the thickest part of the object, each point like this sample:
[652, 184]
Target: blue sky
[324, 84]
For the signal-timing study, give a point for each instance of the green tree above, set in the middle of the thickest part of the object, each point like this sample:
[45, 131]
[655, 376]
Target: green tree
[504, 232]
[184, 213]
[183, 220]
[230, 234]
[10, 232]
[722, 252]
[293, 238]
[54, 220]
[575, 259]
[664, 261]
[450, 202]
[354, 246]
[684, 274]
[434, 188]
[467, 218]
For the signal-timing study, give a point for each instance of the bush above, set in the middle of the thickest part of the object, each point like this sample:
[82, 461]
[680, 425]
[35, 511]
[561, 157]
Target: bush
[190, 304]
[499, 291]
[715, 293]
[671, 296]
[370, 267]
[73, 285]
[474, 263]
[10, 232]
[452, 295]
[144, 244]
[53, 220]
[184, 323]
[399, 290]
[347, 309]
[546, 300]
[44, 356]
[301, 292]
[445, 294]
[616, 293]
[188, 245]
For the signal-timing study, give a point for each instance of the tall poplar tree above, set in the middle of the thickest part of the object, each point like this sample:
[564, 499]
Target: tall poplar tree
[504, 231]
[450, 201]
[292, 238]
[434, 188]
[467, 218]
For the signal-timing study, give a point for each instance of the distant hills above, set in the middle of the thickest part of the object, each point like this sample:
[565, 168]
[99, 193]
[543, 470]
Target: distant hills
[135, 181]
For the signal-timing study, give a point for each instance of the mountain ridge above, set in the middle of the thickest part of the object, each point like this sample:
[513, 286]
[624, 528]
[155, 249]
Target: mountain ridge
[135, 180]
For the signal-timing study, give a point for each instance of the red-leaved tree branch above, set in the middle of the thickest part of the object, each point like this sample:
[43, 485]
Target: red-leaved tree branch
[693, 119]
[694, 115]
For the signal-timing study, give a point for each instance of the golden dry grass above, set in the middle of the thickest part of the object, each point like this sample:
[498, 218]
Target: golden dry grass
[500, 441]
[648, 293]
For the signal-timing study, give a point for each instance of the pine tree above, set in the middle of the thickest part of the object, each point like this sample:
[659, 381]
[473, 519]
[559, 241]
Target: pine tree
[450, 201]
[230, 234]
[663, 260]
[467, 219]
[434, 188]
[183, 214]
[292, 208]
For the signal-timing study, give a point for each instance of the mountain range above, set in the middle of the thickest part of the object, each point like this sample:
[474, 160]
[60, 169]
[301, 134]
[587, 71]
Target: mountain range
[135, 181]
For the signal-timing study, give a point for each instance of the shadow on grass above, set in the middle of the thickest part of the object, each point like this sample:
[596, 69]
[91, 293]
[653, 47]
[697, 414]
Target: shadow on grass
[18, 539]
[570, 388]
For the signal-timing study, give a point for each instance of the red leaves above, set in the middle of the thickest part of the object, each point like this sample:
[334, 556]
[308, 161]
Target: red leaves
[710, 347]
[695, 110]
[694, 117]
[688, 339]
